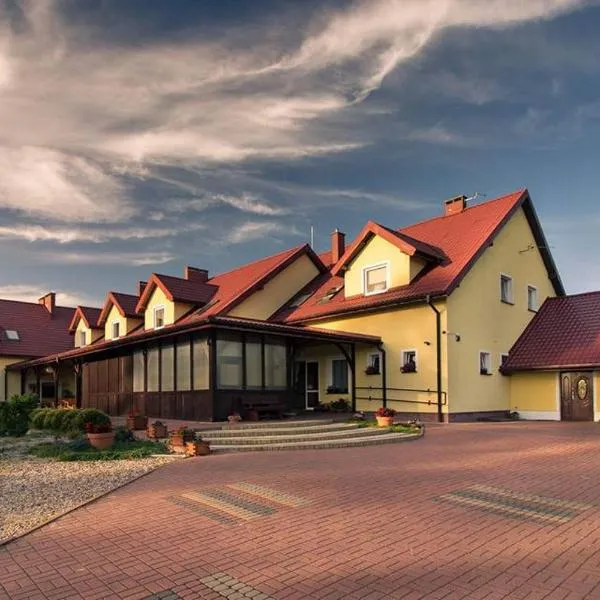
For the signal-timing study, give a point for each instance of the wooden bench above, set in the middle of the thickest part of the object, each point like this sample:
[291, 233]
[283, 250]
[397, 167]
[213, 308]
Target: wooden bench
[264, 408]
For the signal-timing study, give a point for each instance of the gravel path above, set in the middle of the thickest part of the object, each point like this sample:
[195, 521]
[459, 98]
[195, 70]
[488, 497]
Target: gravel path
[35, 490]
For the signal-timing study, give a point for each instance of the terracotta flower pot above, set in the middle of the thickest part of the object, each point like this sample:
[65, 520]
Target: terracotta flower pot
[101, 441]
[198, 448]
[137, 422]
[157, 432]
[385, 421]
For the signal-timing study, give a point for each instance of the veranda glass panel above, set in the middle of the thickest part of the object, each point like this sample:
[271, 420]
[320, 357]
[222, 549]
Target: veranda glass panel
[183, 366]
[201, 368]
[253, 363]
[153, 367]
[229, 364]
[138, 371]
[167, 368]
[275, 365]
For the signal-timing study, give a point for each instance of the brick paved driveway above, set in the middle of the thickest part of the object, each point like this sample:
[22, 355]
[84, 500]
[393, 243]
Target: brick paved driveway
[471, 511]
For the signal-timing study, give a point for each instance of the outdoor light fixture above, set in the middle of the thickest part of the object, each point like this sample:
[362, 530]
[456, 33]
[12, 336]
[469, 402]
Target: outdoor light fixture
[456, 335]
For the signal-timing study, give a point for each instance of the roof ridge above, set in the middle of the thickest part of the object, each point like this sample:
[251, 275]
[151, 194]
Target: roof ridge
[35, 303]
[520, 192]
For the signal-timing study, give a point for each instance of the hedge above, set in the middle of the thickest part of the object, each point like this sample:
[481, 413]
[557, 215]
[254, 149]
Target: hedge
[15, 413]
[69, 421]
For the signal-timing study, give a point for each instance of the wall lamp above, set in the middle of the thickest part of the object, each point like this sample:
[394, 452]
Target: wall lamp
[456, 335]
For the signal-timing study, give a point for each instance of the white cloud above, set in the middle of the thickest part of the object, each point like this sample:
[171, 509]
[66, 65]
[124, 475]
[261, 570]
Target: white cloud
[79, 120]
[117, 259]
[31, 293]
[256, 230]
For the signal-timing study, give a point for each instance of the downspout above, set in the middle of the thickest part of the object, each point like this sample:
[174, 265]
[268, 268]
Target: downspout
[383, 374]
[438, 348]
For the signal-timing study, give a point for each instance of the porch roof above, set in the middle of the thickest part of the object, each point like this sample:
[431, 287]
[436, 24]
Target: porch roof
[209, 323]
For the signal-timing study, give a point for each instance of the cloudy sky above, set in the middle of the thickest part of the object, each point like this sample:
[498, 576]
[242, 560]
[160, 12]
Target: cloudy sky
[143, 135]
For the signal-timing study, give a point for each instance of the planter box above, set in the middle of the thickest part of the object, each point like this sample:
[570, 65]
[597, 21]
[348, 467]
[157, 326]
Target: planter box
[137, 423]
[101, 441]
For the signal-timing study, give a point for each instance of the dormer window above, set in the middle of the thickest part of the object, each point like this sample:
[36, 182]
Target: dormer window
[82, 338]
[159, 317]
[12, 335]
[376, 279]
[116, 330]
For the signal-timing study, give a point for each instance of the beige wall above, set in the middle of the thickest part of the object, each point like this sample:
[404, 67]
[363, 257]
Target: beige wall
[125, 324]
[13, 379]
[400, 329]
[283, 287]
[535, 395]
[173, 310]
[91, 335]
[402, 268]
[484, 323]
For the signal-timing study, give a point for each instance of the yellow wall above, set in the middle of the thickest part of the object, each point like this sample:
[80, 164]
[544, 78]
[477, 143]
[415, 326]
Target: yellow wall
[126, 324]
[14, 378]
[284, 286]
[484, 323]
[535, 395]
[402, 268]
[91, 335]
[173, 310]
[400, 329]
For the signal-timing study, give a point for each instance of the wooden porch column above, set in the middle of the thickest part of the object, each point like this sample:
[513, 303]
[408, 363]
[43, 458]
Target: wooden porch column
[56, 383]
[23, 380]
[38, 383]
[78, 391]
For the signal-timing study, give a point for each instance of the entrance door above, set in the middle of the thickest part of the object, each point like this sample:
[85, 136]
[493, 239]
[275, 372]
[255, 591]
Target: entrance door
[312, 385]
[576, 397]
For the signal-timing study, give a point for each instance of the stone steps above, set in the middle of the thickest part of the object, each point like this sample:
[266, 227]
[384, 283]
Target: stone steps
[283, 430]
[316, 444]
[288, 438]
[277, 424]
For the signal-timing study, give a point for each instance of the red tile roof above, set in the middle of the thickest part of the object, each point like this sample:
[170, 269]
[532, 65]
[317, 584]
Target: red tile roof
[565, 334]
[125, 304]
[40, 333]
[461, 238]
[177, 289]
[89, 315]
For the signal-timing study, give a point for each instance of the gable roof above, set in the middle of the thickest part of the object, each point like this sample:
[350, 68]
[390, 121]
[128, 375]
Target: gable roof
[89, 316]
[564, 334]
[125, 304]
[402, 241]
[176, 289]
[461, 238]
[40, 332]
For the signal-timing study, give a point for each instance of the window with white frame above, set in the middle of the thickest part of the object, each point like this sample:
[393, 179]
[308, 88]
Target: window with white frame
[373, 364]
[409, 361]
[82, 338]
[12, 335]
[485, 363]
[159, 317]
[376, 279]
[339, 376]
[506, 289]
[532, 298]
[116, 330]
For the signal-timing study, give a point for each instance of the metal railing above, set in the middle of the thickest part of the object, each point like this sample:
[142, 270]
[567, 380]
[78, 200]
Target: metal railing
[391, 393]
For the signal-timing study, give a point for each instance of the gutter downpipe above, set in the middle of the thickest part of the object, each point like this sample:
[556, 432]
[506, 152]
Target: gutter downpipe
[438, 347]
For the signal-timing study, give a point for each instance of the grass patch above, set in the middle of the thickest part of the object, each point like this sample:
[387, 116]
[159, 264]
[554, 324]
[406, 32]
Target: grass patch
[81, 450]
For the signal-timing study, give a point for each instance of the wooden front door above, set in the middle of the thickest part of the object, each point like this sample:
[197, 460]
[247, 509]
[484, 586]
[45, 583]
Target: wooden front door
[576, 397]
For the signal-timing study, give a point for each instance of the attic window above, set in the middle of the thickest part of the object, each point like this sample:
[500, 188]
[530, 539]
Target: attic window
[329, 294]
[12, 334]
[376, 279]
[299, 300]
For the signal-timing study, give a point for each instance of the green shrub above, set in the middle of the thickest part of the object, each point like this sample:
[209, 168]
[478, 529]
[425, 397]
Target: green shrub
[67, 421]
[26, 402]
[81, 450]
[37, 417]
[93, 416]
[14, 414]
[122, 434]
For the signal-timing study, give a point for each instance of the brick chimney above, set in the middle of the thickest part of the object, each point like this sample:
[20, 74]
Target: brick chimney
[338, 245]
[197, 275]
[141, 287]
[49, 302]
[455, 205]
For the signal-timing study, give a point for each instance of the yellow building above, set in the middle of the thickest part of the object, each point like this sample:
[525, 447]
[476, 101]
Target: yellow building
[419, 319]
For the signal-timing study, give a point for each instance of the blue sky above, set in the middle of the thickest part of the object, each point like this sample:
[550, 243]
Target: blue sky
[144, 135]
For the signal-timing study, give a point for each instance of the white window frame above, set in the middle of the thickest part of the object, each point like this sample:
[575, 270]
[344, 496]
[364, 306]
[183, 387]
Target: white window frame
[370, 362]
[490, 366]
[157, 308]
[330, 374]
[386, 264]
[511, 299]
[537, 304]
[112, 330]
[82, 338]
[403, 360]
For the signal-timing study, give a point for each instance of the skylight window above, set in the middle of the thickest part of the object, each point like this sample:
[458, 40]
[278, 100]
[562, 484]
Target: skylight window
[299, 300]
[13, 335]
[329, 294]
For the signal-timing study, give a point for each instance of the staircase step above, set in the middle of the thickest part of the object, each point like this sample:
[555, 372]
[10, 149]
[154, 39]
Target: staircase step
[278, 424]
[273, 431]
[291, 438]
[373, 440]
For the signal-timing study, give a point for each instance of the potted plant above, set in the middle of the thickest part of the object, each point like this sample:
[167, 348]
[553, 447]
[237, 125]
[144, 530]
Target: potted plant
[179, 437]
[157, 430]
[385, 416]
[136, 421]
[340, 405]
[197, 447]
[100, 436]
[372, 370]
[409, 367]
[234, 418]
